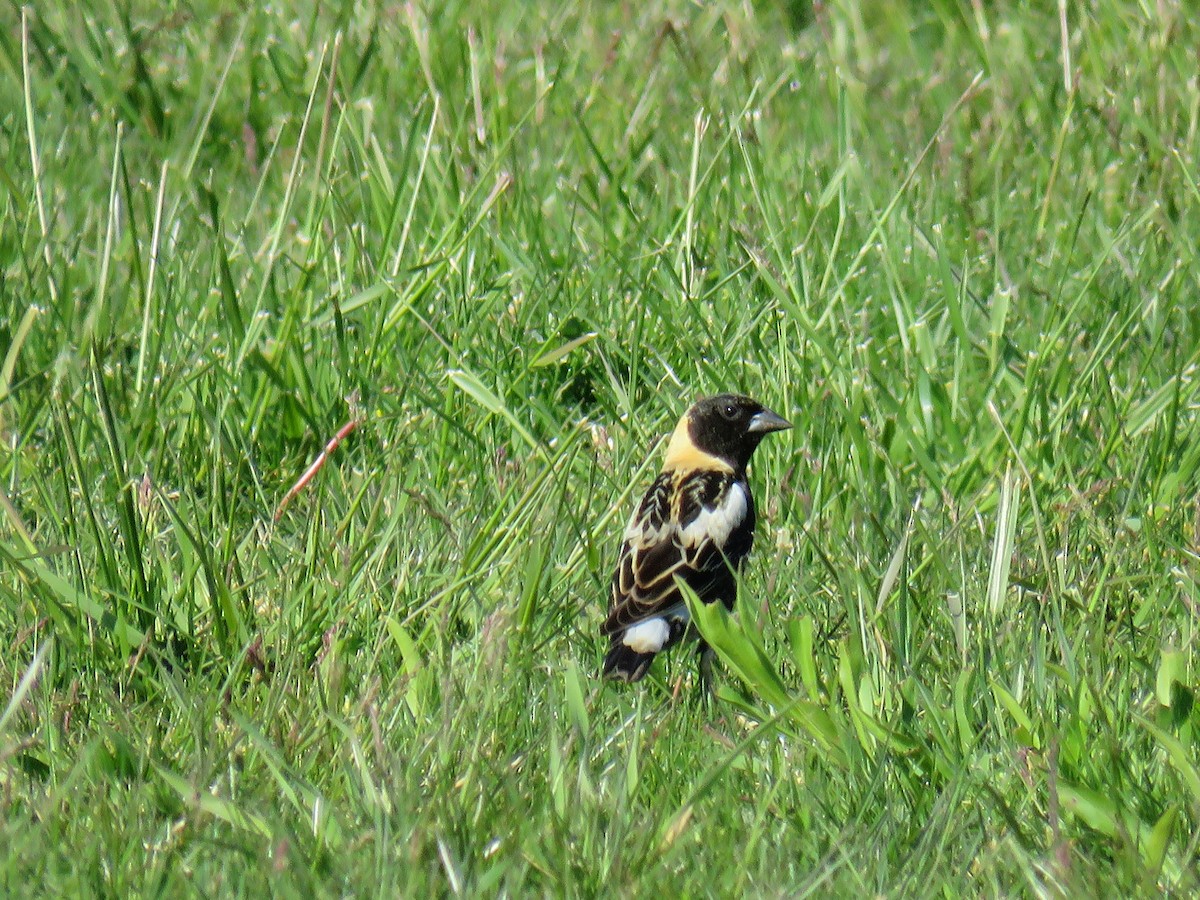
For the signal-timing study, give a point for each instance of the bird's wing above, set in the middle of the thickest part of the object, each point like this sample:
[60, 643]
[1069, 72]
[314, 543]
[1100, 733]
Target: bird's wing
[689, 526]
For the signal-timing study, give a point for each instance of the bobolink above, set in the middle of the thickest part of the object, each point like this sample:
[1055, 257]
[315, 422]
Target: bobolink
[695, 525]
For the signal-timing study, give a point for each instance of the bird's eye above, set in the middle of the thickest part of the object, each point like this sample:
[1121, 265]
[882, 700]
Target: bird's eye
[729, 411]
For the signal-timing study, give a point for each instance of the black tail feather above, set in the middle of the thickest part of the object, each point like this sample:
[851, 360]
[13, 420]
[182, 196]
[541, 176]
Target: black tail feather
[625, 664]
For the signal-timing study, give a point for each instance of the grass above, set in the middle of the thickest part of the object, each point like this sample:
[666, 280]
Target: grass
[954, 242]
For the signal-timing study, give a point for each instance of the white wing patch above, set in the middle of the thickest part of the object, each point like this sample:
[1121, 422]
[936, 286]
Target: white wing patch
[638, 532]
[717, 523]
[648, 636]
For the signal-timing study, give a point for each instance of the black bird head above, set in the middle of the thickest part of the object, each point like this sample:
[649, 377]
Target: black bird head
[722, 432]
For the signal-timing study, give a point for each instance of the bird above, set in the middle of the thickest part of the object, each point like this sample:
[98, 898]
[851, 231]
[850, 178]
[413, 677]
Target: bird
[694, 526]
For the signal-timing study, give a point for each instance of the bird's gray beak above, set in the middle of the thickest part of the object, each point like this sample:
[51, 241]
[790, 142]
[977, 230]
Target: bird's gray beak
[767, 421]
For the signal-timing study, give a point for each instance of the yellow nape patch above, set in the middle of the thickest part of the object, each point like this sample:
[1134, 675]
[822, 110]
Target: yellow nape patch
[683, 455]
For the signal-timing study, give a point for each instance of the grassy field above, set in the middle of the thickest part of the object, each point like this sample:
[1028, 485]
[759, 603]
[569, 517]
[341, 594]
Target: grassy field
[955, 242]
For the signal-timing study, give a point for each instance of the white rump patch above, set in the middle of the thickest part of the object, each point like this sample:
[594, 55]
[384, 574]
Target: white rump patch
[648, 636]
[717, 523]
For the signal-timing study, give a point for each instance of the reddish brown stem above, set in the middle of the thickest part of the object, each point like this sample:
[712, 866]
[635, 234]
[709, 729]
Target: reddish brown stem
[312, 470]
